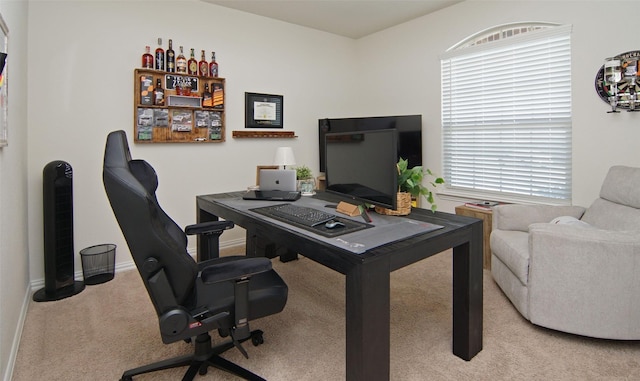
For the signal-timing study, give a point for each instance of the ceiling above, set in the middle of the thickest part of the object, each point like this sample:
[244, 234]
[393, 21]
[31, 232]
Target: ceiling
[348, 18]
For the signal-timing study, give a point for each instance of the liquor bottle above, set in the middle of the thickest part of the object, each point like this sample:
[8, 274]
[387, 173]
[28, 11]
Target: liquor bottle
[207, 97]
[159, 56]
[158, 94]
[171, 58]
[192, 64]
[181, 62]
[147, 58]
[203, 66]
[213, 65]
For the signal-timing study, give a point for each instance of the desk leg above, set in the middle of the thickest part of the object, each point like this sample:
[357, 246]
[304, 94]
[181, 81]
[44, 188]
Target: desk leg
[467, 297]
[367, 322]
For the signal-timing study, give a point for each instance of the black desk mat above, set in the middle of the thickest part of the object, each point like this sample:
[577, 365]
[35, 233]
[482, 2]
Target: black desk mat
[350, 225]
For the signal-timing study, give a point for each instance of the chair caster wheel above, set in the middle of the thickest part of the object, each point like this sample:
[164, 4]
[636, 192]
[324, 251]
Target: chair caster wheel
[257, 338]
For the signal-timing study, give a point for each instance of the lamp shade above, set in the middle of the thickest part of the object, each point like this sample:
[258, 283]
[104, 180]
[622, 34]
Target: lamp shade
[284, 156]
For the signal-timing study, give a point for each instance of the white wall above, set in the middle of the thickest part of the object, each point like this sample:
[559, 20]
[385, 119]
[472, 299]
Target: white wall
[81, 57]
[400, 73]
[14, 260]
[81, 88]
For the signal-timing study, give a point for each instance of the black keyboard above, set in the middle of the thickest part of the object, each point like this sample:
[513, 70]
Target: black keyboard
[300, 214]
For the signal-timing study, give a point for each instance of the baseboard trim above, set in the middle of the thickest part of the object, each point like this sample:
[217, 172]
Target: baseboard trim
[15, 345]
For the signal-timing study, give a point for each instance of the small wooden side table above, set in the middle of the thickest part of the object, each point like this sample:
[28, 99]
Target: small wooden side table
[486, 216]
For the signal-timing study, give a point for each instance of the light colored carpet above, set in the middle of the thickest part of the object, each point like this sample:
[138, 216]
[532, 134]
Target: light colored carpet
[111, 327]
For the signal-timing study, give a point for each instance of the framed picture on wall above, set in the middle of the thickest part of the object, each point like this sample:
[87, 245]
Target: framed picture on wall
[263, 110]
[4, 93]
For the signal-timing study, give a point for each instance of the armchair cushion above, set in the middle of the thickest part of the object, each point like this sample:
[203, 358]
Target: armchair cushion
[621, 186]
[512, 248]
[608, 215]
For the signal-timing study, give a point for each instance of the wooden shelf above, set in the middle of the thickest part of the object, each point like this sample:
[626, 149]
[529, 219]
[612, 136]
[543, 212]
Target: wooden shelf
[181, 119]
[264, 134]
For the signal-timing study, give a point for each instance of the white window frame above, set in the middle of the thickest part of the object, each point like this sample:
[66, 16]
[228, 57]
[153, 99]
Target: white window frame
[506, 125]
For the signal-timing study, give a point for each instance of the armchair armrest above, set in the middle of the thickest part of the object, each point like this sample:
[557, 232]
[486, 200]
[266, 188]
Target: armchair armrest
[583, 271]
[519, 217]
[239, 271]
[208, 227]
[209, 231]
[236, 269]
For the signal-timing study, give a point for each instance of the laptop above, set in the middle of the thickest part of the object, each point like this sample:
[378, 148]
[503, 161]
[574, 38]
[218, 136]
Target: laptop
[276, 185]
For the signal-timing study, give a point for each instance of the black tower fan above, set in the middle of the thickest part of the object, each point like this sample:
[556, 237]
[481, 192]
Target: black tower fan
[57, 193]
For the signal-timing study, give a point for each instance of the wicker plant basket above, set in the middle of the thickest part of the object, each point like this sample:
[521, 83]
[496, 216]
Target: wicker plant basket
[403, 206]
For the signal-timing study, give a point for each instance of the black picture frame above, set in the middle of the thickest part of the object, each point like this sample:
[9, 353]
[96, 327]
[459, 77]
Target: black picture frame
[263, 110]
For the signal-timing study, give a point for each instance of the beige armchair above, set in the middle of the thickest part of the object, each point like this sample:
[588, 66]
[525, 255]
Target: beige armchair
[581, 277]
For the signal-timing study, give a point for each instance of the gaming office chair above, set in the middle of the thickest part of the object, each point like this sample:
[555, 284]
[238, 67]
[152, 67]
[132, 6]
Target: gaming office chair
[190, 298]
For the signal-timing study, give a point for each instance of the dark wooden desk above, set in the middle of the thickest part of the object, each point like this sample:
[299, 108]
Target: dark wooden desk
[368, 276]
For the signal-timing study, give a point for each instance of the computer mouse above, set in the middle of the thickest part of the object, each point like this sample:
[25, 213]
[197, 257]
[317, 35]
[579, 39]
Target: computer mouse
[333, 224]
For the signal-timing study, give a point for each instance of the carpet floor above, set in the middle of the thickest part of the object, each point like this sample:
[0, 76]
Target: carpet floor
[112, 327]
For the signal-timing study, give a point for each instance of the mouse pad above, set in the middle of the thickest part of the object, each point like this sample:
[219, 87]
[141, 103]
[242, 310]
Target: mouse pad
[350, 226]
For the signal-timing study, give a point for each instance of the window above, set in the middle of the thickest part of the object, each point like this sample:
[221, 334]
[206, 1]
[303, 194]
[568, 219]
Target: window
[506, 115]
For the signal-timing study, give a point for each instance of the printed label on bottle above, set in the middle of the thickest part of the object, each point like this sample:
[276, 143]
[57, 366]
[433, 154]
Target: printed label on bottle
[159, 61]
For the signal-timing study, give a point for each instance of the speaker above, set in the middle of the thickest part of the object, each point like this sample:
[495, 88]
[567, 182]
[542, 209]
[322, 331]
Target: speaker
[57, 197]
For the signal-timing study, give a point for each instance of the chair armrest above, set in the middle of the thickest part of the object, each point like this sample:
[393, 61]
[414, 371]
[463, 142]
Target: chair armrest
[208, 227]
[583, 271]
[559, 241]
[519, 217]
[237, 269]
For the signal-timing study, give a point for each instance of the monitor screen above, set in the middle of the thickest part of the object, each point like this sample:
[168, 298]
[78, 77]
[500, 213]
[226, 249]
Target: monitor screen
[362, 166]
[409, 133]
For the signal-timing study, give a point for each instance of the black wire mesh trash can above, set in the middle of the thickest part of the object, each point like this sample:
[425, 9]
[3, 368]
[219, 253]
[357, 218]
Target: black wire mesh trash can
[98, 263]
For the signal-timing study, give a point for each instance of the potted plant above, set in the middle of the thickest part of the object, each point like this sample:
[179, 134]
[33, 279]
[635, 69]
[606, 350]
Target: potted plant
[410, 186]
[306, 183]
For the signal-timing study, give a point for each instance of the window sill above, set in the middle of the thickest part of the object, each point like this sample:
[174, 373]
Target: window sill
[458, 195]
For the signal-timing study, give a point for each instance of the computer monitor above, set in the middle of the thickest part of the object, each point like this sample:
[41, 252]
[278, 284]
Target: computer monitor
[362, 166]
[409, 129]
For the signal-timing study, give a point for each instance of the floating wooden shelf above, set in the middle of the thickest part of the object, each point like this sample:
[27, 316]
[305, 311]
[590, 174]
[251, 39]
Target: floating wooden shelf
[264, 134]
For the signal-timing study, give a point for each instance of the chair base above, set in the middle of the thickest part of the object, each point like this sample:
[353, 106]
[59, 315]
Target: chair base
[205, 356]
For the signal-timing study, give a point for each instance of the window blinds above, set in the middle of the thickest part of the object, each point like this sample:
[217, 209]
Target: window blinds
[506, 116]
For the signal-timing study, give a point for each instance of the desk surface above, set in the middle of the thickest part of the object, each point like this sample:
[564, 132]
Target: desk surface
[217, 204]
[368, 276]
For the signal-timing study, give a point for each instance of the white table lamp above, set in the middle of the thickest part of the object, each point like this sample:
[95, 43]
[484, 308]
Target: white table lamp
[284, 156]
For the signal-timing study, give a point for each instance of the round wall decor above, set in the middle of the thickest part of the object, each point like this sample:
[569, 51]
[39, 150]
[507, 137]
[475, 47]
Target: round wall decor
[618, 84]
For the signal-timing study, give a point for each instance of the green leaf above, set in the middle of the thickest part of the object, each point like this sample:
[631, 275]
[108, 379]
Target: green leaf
[410, 180]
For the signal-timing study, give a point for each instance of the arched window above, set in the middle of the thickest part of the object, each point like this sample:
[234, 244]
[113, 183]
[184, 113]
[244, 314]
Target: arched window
[506, 114]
